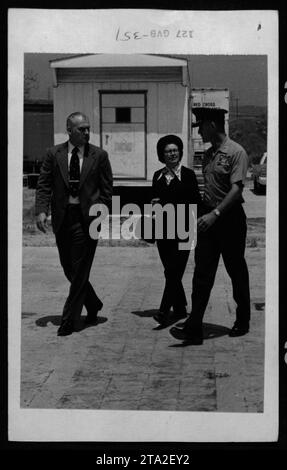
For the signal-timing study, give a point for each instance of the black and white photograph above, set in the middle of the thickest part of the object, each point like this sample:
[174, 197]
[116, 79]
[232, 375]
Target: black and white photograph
[143, 213]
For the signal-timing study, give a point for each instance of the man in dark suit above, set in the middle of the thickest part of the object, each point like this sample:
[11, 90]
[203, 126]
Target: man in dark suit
[74, 176]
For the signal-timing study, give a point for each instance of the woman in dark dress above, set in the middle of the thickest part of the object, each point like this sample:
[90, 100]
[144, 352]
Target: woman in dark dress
[174, 184]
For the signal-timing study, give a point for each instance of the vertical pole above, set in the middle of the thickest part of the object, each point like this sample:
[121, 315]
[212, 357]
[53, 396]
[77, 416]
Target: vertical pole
[236, 99]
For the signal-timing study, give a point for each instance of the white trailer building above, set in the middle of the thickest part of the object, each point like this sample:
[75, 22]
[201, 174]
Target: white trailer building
[132, 100]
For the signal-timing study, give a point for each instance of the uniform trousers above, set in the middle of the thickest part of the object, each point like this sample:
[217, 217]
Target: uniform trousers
[227, 237]
[76, 251]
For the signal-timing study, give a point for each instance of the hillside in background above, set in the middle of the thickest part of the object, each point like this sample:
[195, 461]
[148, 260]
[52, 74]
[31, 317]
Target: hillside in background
[248, 127]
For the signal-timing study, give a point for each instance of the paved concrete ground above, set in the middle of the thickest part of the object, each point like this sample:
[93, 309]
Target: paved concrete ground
[126, 361]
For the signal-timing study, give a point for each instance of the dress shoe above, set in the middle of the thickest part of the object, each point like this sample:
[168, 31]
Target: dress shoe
[178, 314]
[65, 329]
[92, 317]
[192, 336]
[161, 317]
[238, 330]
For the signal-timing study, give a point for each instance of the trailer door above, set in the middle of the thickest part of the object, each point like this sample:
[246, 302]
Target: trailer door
[123, 132]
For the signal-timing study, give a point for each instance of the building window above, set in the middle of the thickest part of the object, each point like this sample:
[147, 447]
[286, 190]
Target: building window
[123, 114]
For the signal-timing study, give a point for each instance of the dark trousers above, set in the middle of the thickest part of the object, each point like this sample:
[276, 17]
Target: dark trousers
[226, 237]
[76, 251]
[174, 262]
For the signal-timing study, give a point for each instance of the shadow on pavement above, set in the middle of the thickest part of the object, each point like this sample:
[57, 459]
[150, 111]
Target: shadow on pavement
[150, 313]
[214, 331]
[83, 326]
[145, 313]
[210, 331]
[56, 320]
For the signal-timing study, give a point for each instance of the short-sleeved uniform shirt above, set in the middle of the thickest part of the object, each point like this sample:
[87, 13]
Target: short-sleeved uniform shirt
[221, 168]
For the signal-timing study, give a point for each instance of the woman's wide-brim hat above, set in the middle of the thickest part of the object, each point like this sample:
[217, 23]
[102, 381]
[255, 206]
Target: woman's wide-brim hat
[166, 140]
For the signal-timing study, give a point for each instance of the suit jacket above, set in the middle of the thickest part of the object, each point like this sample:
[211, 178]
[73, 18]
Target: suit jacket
[96, 183]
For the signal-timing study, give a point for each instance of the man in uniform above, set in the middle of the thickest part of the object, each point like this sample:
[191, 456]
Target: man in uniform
[221, 227]
[74, 176]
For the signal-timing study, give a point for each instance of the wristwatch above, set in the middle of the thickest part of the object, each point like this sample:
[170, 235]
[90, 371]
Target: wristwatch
[216, 212]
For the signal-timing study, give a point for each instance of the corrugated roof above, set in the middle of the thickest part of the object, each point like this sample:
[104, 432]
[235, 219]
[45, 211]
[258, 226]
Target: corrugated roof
[117, 60]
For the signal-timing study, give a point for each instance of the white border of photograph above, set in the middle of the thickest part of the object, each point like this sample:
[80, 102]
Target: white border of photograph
[216, 32]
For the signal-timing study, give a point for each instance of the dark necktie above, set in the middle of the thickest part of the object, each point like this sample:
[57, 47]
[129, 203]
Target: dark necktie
[74, 173]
